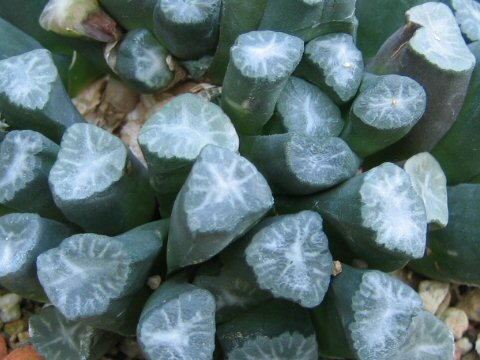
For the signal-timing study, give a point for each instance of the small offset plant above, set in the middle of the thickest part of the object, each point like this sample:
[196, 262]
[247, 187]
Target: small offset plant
[342, 145]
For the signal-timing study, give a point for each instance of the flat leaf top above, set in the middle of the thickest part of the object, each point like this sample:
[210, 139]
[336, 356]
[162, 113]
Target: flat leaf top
[324, 163]
[430, 182]
[287, 346]
[57, 338]
[184, 126]
[340, 61]
[439, 38]
[467, 13]
[18, 237]
[18, 162]
[391, 102]
[266, 54]
[383, 308]
[181, 329]
[189, 12]
[27, 79]
[290, 258]
[90, 160]
[429, 338]
[224, 193]
[305, 109]
[393, 210]
[67, 16]
[146, 58]
[84, 274]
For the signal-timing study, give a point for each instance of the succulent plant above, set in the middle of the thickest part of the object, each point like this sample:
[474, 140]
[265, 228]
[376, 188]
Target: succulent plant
[341, 145]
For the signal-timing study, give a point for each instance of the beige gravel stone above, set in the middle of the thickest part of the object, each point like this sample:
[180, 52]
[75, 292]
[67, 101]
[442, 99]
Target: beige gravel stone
[471, 304]
[456, 320]
[464, 345]
[433, 294]
[10, 307]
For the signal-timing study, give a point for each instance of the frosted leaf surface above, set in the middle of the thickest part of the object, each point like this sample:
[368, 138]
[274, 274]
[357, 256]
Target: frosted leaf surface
[18, 236]
[287, 346]
[393, 210]
[90, 160]
[383, 308]
[181, 329]
[67, 16]
[324, 163]
[189, 11]
[266, 54]
[84, 274]
[27, 79]
[184, 126]
[429, 339]
[391, 102]
[290, 258]
[430, 182]
[57, 338]
[439, 38]
[340, 60]
[18, 162]
[225, 193]
[467, 13]
[307, 110]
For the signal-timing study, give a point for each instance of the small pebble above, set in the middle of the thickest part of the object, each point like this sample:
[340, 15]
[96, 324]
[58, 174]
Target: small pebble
[16, 327]
[10, 307]
[433, 294]
[471, 356]
[464, 345]
[23, 337]
[456, 320]
[471, 304]
[154, 282]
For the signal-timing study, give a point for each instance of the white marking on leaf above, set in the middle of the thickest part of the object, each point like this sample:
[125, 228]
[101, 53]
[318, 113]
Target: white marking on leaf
[391, 102]
[189, 11]
[393, 210]
[439, 38]
[84, 274]
[225, 192]
[184, 126]
[266, 54]
[27, 79]
[287, 346]
[383, 308]
[17, 162]
[467, 13]
[340, 60]
[291, 259]
[181, 329]
[89, 161]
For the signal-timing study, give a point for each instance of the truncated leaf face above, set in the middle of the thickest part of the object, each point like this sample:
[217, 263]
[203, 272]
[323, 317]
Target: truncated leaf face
[84, 274]
[430, 183]
[18, 235]
[383, 309]
[429, 339]
[467, 13]
[225, 193]
[189, 11]
[185, 126]
[181, 329]
[290, 258]
[266, 54]
[391, 102]
[438, 38]
[18, 161]
[27, 79]
[57, 338]
[287, 346]
[323, 163]
[393, 210]
[90, 160]
[304, 109]
[340, 61]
